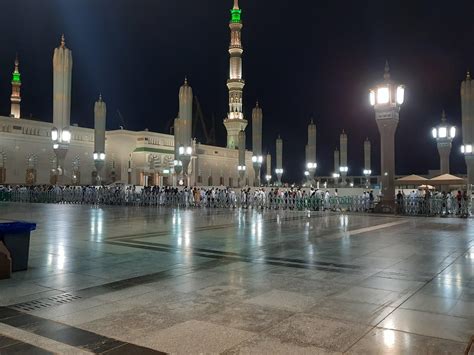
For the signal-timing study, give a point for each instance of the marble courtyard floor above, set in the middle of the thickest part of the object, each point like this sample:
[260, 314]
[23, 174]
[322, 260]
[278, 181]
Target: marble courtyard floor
[122, 280]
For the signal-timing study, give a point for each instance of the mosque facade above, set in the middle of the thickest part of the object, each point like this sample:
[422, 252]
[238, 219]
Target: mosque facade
[38, 152]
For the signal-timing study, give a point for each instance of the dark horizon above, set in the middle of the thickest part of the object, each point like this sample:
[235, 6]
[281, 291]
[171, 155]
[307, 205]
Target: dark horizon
[318, 60]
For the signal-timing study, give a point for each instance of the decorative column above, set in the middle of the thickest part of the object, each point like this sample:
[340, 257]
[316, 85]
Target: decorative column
[61, 134]
[343, 168]
[268, 164]
[336, 175]
[241, 167]
[279, 159]
[185, 149]
[311, 163]
[467, 107]
[100, 114]
[367, 161]
[444, 135]
[387, 98]
[257, 158]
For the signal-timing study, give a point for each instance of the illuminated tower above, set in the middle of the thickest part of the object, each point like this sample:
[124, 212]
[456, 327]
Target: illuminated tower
[60, 134]
[16, 97]
[235, 122]
[343, 168]
[467, 107]
[241, 167]
[311, 150]
[257, 158]
[100, 114]
[387, 98]
[279, 159]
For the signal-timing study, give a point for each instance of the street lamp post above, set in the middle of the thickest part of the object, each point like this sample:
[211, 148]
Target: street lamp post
[185, 155]
[257, 161]
[367, 173]
[444, 135]
[61, 140]
[387, 98]
[310, 170]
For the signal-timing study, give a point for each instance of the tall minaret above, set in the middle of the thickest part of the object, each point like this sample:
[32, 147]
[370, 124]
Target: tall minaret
[16, 97]
[311, 150]
[235, 122]
[257, 158]
[186, 112]
[343, 146]
[100, 114]
[467, 108]
[62, 77]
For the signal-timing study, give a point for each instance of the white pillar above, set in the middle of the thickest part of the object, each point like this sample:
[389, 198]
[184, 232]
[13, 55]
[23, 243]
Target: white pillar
[100, 114]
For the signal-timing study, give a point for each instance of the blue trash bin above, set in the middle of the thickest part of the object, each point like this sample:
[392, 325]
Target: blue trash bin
[16, 237]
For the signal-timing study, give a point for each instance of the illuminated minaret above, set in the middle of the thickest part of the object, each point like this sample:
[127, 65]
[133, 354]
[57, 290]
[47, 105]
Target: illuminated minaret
[62, 77]
[235, 122]
[311, 150]
[100, 114]
[257, 158]
[467, 108]
[343, 162]
[16, 97]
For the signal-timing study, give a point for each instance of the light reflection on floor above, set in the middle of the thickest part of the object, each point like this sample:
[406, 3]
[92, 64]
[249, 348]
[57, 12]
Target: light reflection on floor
[265, 281]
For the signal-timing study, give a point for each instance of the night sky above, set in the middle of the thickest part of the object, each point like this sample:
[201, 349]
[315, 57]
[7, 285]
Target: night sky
[302, 58]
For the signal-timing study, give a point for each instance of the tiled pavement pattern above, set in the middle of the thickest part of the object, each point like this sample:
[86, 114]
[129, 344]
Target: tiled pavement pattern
[137, 280]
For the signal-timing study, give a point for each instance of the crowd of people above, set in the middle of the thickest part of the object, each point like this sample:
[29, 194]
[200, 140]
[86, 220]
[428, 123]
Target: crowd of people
[212, 197]
[433, 203]
[417, 202]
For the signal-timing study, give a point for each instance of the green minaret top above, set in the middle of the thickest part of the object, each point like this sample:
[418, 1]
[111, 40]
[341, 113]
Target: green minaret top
[16, 76]
[236, 12]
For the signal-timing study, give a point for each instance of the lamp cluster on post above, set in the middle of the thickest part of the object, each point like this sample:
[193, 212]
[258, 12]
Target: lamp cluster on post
[100, 114]
[61, 134]
[241, 167]
[467, 108]
[257, 158]
[387, 98]
[279, 159]
[444, 135]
